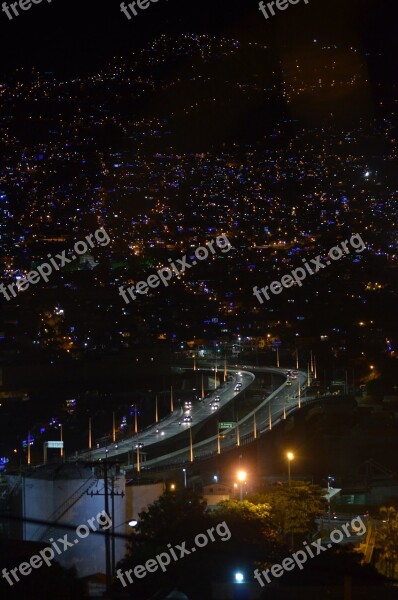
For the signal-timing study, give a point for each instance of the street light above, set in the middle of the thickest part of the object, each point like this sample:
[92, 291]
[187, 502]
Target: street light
[239, 577]
[241, 475]
[330, 487]
[290, 457]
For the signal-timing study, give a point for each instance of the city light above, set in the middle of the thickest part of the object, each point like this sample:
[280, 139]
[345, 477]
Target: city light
[290, 457]
[241, 475]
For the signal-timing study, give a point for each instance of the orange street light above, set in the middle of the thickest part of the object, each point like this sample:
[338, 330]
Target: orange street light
[241, 476]
[290, 457]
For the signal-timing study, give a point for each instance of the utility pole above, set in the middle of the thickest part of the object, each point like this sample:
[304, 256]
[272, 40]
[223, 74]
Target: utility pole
[110, 551]
[107, 538]
[190, 446]
[113, 524]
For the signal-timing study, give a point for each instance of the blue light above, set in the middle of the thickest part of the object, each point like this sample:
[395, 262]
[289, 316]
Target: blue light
[239, 578]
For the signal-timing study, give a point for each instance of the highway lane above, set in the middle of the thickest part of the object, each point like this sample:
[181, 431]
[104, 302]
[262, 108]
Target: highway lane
[173, 425]
[270, 411]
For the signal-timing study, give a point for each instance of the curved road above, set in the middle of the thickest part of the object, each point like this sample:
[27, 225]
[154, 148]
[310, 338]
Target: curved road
[170, 426]
[278, 404]
[272, 410]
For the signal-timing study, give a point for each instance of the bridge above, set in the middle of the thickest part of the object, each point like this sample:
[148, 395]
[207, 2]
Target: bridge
[283, 401]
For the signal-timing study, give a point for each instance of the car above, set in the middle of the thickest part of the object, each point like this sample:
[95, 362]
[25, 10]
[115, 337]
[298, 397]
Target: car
[237, 388]
[288, 383]
[187, 404]
[187, 419]
[217, 399]
[214, 406]
[139, 445]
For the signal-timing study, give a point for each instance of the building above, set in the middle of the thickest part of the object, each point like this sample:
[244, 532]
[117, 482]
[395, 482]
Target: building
[52, 496]
[215, 493]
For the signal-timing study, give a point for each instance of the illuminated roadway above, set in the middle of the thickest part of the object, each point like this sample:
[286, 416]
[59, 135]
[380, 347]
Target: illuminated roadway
[271, 409]
[170, 426]
[279, 403]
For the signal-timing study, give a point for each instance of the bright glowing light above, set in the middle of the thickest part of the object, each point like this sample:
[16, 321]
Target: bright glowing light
[133, 523]
[239, 577]
[290, 456]
[241, 475]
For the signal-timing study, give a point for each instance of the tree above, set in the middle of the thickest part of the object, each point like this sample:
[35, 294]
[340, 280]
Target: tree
[242, 538]
[175, 518]
[252, 532]
[294, 507]
[173, 515]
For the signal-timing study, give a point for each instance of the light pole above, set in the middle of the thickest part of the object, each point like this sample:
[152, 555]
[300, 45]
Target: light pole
[61, 438]
[185, 478]
[241, 475]
[330, 480]
[290, 457]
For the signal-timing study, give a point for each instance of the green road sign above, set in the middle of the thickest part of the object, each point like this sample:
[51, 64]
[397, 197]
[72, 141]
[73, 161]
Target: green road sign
[227, 425]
